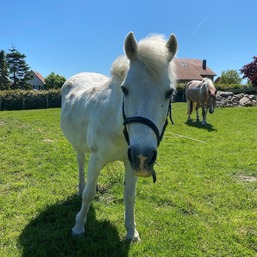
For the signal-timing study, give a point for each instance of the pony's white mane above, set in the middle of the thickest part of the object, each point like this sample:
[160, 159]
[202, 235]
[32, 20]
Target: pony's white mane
[120, 68]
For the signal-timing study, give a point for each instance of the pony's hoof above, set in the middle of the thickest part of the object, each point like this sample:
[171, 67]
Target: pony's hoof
[133, 238]
[76, 235]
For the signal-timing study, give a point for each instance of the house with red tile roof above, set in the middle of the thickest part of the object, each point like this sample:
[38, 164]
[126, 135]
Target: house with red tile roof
[38, 81]
[192, 69]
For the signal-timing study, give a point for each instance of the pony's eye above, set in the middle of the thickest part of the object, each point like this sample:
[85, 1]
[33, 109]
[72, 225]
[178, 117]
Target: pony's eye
[169, 93]
[124, 90]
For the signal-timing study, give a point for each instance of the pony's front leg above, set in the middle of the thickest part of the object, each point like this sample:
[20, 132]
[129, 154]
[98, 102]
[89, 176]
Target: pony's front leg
[94, 167]
[129, 198]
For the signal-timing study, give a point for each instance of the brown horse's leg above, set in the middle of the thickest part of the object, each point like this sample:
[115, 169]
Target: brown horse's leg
[189, 109]
[197, 113]
[204, 113]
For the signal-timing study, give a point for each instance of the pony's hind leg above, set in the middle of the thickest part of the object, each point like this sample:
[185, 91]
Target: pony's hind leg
[190, 106]
[81, 164]
[94, 167]
[197, 111]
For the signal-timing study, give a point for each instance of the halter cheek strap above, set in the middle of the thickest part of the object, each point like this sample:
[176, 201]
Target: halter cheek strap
[145, 121]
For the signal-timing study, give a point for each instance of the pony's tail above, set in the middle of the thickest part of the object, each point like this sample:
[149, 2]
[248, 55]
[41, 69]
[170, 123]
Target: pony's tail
[65, 90]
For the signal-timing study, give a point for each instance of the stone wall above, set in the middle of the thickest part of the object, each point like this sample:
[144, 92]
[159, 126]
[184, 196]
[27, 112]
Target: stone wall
[229, 99]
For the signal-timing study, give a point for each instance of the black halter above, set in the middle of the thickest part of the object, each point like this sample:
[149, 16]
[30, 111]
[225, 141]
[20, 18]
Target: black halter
[147, 122]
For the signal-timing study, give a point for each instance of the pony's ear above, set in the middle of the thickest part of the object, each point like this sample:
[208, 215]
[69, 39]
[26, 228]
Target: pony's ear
[172, 45]
[130, 46]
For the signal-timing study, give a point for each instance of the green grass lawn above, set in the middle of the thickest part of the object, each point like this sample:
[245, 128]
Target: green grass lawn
[204, 202]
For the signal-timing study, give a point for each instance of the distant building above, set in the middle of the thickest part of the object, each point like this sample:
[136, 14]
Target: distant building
[38, 81]
[192, 69]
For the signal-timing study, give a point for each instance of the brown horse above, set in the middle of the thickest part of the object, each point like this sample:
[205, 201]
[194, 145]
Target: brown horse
[202, 92]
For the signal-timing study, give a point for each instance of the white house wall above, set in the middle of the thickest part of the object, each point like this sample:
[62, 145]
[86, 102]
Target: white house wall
[36, 83]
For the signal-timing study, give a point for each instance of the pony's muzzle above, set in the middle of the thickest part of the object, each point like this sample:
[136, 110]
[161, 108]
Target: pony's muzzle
[142, 162]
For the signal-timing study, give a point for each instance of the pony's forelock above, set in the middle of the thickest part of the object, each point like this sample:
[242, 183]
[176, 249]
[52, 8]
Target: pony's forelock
[153, 52]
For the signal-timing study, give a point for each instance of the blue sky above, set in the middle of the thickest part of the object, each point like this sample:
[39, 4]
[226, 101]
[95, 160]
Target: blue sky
[71, 36]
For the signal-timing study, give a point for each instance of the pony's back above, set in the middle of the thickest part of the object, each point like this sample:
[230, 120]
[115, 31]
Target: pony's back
[81, 83]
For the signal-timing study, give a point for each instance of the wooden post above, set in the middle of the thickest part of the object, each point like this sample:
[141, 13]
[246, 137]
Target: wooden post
[23, 103]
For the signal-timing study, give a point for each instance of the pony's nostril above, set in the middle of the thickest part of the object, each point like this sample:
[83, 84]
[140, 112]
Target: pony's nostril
[129, 155]
[141, 160]
[152, 159]
[132, 157]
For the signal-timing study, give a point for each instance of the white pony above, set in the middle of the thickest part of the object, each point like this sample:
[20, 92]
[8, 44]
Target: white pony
[120, 118]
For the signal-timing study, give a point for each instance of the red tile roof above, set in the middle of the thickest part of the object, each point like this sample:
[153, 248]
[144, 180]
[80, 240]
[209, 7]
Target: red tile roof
[40, 77]
[190, 69]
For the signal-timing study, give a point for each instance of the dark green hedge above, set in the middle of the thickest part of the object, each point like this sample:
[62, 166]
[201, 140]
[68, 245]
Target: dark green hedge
[24, 100]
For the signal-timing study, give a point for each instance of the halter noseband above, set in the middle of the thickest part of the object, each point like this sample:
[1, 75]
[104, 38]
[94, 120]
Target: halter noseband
[145, 121]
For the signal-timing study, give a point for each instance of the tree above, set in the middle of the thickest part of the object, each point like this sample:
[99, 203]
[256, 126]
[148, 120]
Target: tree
[54, 81]
[18, 69]
[4, 82]
[250, 71]
[230, 77]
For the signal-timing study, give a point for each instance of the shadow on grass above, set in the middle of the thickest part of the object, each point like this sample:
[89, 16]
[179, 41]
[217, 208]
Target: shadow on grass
[49, 234]
[198, 124]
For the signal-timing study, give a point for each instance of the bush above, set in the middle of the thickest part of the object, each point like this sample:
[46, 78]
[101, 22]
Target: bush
[227, 87]
[24, 100]
[180, 92]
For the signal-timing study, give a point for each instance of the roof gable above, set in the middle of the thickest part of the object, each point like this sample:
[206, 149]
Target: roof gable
[190, 69]
[39, 76]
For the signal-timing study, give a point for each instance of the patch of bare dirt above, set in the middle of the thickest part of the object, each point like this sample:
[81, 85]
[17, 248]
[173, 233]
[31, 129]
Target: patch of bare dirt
[244, 178]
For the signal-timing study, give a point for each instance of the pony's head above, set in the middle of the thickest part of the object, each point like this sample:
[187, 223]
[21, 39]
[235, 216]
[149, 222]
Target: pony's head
[147, 89]
[212, 92]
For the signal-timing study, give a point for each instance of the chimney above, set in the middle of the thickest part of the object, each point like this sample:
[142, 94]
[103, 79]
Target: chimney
[204, 64]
